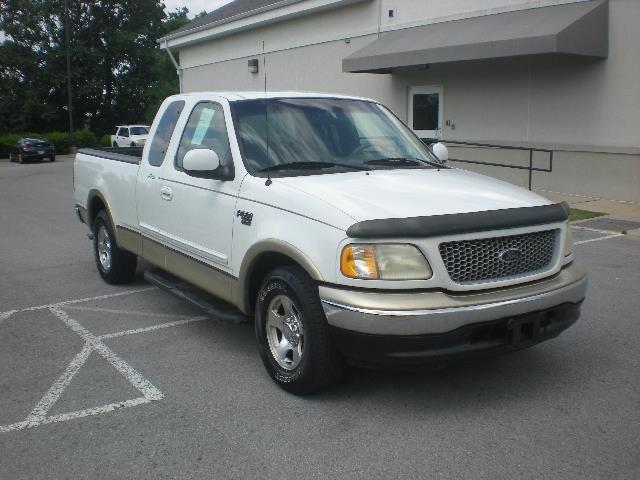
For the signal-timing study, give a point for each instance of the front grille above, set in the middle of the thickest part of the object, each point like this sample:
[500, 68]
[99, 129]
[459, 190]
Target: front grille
[498, 257]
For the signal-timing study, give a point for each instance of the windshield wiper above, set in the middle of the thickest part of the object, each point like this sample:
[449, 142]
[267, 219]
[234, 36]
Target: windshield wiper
[399, 161]
[310, 166]
[403, 162]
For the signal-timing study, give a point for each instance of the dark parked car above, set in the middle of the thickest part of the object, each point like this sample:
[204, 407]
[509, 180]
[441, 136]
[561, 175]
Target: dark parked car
[32, 149]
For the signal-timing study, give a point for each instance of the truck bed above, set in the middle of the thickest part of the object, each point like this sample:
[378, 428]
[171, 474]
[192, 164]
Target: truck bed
[119, 154]
[113, 172]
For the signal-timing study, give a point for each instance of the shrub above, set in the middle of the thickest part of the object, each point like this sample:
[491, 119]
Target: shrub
[105, 140]
[6, 142]
[85, 138]
[60, 140]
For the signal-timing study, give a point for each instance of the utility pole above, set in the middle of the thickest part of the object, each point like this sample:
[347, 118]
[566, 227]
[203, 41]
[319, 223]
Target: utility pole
[68, 48]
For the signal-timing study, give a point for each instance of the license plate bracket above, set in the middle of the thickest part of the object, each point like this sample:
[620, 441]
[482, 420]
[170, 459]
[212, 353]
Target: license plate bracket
[525, 331]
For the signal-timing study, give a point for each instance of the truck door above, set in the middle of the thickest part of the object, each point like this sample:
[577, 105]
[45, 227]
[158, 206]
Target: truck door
[148, 200]
[123, 137]
[198, 213]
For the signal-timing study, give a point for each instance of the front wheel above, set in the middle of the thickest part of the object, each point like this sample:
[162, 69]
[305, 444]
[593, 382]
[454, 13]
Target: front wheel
[115, 265]
[115, 145]
[293, 335]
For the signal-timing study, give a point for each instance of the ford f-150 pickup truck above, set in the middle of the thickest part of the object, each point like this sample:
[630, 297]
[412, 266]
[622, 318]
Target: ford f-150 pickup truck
[340, 232]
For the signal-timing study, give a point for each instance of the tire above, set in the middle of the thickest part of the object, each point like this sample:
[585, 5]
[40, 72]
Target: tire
[52, 159]
[20, 159]
[115, 145]
[306, 360]
[132, 145]
[114, 265]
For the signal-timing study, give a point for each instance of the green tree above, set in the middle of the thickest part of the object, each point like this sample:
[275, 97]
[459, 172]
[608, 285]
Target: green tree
[118, 71]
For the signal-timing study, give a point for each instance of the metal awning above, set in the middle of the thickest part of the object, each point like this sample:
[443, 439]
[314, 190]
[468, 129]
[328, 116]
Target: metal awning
[580, 28]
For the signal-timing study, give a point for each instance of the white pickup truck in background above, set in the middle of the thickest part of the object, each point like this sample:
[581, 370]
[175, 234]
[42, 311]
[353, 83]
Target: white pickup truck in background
[331, 224]
[130, 136]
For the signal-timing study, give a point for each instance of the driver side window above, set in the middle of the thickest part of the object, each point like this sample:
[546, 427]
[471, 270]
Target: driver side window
[206, 128]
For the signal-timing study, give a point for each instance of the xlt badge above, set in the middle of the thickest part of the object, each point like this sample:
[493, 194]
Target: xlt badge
[245, 217]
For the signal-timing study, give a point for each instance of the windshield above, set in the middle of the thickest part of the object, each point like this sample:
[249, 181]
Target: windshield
[139, 131]
[334, 133]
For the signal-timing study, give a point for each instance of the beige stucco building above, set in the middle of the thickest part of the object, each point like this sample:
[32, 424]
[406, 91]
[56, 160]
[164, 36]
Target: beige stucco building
[552, 74]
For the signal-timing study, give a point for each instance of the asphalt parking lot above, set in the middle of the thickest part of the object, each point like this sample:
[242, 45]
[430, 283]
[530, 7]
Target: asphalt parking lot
[129, 382]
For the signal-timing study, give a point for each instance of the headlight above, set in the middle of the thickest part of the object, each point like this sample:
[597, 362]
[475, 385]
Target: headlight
[383, 261]
[568, 241]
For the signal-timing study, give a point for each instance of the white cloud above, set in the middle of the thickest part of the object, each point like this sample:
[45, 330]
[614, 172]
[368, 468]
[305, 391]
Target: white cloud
[195, 6]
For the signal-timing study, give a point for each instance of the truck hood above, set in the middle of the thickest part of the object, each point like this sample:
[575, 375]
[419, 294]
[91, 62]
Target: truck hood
[382, 194]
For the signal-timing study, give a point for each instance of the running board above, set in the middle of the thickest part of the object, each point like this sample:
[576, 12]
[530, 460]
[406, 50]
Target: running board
[213, 306]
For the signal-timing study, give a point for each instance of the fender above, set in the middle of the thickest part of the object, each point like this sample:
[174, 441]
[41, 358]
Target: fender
[265, 246]
[94, 193]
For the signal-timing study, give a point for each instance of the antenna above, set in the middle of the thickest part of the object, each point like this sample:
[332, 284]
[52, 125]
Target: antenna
[266, 110]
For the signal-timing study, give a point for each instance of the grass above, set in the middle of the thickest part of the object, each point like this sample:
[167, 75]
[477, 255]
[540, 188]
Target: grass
[577, 214]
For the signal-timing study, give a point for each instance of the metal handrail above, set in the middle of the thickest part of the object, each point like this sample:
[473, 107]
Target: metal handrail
[530, 168]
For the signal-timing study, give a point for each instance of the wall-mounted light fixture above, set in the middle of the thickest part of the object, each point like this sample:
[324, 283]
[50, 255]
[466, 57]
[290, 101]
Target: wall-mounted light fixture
[253, 65]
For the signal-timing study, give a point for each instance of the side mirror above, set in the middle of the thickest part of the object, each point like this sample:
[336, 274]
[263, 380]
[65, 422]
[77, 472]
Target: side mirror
[441, 151]
[200, 162]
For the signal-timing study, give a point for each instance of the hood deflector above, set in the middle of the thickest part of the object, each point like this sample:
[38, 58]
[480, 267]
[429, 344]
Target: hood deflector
[458, 223]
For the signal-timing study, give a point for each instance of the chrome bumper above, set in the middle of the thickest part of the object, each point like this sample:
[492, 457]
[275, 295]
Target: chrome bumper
[436, 312]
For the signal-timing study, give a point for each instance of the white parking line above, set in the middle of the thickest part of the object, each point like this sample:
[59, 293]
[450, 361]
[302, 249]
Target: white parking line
[126, 312]
[63, 417]
[598, 230]
[93, 343]
[607, 234]
[5, 315]
[79, 300]
[51, 397]
[146, 388]
[152, 328]
[598, 239]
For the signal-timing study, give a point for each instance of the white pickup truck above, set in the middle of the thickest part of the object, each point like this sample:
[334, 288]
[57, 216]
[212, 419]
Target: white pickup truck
[330, 223]
[130, 136]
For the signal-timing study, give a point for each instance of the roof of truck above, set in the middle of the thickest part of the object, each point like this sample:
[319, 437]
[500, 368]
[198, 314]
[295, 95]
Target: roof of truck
[255, 95]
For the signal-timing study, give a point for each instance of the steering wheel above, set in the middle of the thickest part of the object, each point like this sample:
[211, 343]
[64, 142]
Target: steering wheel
[362, 148]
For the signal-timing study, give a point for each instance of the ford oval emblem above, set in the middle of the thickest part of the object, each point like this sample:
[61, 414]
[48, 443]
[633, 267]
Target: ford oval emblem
[510, 255]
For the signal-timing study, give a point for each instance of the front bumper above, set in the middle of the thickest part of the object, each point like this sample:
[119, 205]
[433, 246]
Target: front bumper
[416, 326]
[471, 341]
[36, 155]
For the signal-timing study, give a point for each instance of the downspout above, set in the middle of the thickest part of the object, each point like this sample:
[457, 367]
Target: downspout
[175, 64]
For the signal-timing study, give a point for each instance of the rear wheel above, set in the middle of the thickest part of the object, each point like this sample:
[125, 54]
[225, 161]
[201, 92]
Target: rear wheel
[293, 335]
[114, 264]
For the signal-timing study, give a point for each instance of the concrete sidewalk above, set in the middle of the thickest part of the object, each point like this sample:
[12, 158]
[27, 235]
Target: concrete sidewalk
[619, 216]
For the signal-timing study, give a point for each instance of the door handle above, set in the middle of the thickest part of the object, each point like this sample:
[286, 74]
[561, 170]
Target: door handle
[166, 193]
[151, 176]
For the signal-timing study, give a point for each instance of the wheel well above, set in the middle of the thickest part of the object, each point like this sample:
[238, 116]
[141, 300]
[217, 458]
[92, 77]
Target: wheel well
[264, 264]
[95, 205]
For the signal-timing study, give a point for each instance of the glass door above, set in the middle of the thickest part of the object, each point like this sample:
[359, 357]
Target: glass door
[425, 111]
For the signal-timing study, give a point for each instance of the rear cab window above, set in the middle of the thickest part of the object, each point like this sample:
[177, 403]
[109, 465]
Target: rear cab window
[164, 132]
